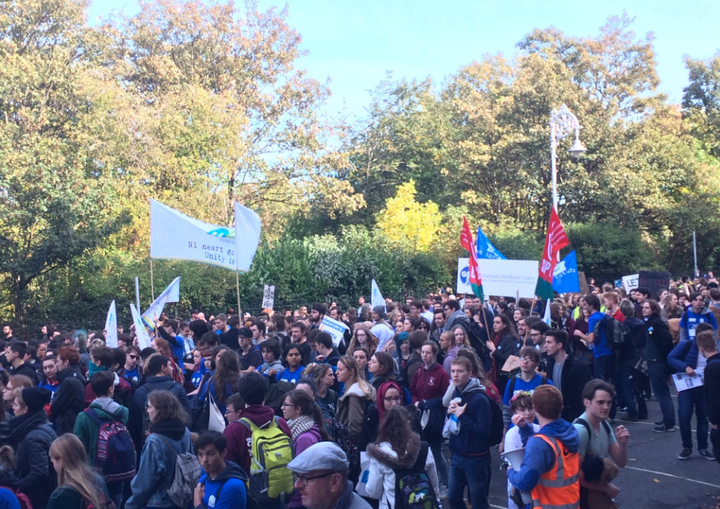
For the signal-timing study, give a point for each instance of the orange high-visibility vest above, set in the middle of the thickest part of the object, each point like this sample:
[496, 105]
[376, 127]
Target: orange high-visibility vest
[559, 487]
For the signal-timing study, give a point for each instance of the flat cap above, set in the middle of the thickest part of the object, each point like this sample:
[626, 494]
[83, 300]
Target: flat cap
[320, 456]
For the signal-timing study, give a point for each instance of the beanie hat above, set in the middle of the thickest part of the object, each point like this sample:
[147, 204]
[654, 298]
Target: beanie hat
[35, 398]
[380, 310]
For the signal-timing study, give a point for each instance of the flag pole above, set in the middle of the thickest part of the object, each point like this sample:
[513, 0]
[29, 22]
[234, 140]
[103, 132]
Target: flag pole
[237, 288]
[152, 281]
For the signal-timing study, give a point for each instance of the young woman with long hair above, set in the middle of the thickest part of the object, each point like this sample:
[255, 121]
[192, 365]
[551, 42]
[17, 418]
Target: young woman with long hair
[168, 438]
[363, 338]
[461, 337]
[224, 381]
[358, 392]
[163, 348]
[77, 483]
[506, 342]
[381, 366]
[326, 398]
[396, 448]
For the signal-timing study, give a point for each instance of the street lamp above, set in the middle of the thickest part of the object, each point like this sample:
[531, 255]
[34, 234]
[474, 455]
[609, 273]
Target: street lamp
[562, 123]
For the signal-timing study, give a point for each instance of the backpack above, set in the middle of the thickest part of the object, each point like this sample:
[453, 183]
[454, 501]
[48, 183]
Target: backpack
[185, 479]
[342, 437]
[115, 458]
[404, 372]
[513, 380]
[270, 453]
[413, 489]
[496, 420]
[22, 498]
[617, 334]
[586, 425]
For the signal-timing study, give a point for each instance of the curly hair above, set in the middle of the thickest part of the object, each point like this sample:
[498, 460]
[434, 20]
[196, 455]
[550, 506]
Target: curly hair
[226, 376]
[395, 430]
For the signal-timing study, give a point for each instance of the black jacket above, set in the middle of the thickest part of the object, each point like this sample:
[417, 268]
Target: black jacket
[575, 375]
[659, 340]
[26, 369]
[31, 439]
[231, 339]
[712, 388]
[139, 399]
[69, 399]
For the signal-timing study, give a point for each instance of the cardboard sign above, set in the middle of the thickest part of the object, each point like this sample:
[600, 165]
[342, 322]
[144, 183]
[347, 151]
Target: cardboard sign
[584, 287]
[630, 282]
[654, 280]
[268, 297]
[334, 328]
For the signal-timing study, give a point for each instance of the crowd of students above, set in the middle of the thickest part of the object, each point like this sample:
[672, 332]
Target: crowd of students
[270, 411]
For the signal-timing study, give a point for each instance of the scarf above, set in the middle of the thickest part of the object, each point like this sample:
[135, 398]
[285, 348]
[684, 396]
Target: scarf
[346, 497]
[174, 429]
[94, 368]
[23, 424]
[301, 425]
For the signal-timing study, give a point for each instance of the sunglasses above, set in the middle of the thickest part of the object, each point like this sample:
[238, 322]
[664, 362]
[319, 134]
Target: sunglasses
[135, 357]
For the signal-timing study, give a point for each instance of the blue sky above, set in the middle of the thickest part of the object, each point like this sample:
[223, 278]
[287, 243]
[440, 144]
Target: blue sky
[354, 43]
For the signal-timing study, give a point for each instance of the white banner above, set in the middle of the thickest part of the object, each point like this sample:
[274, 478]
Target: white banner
[507, 278]
[334, 328]
[376, 298]
[176, 236]
[630, 282]
[268, 297]
[140, 330]
[111, 328]
[169, 294]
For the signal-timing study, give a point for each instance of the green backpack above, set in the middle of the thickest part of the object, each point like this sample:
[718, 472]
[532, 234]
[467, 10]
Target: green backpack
[270, 453]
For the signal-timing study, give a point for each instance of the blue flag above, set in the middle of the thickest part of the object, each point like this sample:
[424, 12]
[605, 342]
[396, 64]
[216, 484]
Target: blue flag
[485, 249]
[565, 277]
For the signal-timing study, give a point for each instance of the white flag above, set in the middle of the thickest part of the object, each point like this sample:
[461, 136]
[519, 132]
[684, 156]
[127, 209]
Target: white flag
[546, 318]
[140, 330]
[111, 328]
[247, 236]
[376, 298]
[169, 294]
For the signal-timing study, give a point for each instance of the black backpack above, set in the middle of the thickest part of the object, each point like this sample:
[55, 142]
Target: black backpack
[413, 489]
[618, 335]
[496, 420]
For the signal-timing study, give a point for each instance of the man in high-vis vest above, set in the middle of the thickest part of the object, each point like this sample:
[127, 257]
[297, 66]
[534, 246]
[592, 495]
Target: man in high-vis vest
[550, 467]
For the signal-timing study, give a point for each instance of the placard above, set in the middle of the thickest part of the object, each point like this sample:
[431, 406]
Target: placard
[683, 381]
[506, 278]
[268, 297]
[654, 281]
[630, 282]
[334, 328]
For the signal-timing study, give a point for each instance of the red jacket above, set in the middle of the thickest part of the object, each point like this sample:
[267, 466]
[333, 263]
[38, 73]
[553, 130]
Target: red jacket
[239, 438]
[429, 383]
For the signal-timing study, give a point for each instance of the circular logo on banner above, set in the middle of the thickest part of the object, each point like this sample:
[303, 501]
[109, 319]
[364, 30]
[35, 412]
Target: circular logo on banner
[465, 275]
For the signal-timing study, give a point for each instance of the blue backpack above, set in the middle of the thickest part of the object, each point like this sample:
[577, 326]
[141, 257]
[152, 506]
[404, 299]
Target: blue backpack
[115, 458]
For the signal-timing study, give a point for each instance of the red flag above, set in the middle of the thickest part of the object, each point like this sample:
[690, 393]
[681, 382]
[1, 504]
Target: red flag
[555, 241]
[466, 240]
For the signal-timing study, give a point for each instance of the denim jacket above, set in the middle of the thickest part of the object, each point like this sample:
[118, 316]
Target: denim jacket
[156, 472]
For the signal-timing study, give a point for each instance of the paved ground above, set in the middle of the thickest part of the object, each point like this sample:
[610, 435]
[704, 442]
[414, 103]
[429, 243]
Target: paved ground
[654, 477]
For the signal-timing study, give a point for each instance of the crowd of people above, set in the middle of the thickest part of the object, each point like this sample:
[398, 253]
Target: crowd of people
[237, 411]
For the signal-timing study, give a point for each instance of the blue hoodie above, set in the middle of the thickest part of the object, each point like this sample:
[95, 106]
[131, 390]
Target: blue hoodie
[540, 457]
[230, 484]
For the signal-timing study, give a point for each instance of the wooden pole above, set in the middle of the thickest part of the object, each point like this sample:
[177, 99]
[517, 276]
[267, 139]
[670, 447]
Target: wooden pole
[237, 288]
[152, 282]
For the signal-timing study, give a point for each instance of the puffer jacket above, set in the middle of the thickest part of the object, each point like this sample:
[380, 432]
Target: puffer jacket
[31, 436]
[69, 399]
[351, 408]
[383, 463]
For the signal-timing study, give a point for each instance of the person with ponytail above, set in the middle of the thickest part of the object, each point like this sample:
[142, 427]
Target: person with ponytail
[78, 485]
[306, 424]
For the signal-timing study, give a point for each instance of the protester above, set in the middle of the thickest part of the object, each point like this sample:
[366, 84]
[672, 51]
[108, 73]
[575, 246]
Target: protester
[78, 485]
[694, 315]
[708, 348]
[224, 381]
[271, 366]
[167, 439]
[397, 448]
[549, 469]
[14, 382]
[524, 426]
[15, 356]
[566, 373]
[321, 474]
[381, 368]
[294, 369]
[431, 381]
[69, 399]
[222, 483]
[358, 392]
[505, 343]
[326, 397]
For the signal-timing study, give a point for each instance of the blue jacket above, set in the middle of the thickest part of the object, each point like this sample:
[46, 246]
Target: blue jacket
[156, 472]
[540, 457]
[683, 355]
[475, 422]
[690, 320]
[231, 485]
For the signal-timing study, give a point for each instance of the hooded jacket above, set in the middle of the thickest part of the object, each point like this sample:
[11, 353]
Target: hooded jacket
[86, 429]
[429, 383]
[690, 320]
[239, 438]
[230, 484]
[351, 408]
[475, 422]
[31, 436]
[540, 457]
[69, 399]
[383, 463]
[659, 340]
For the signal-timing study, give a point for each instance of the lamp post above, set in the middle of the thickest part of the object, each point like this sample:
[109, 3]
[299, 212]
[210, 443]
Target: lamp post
[563, 123]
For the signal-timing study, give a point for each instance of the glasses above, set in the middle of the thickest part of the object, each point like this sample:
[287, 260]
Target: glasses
[135, 357]
[302, 479]
[526, 359]
[395, 399]
[286, 405]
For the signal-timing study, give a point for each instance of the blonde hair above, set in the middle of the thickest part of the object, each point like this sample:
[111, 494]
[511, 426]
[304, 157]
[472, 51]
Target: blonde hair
[17, 392]
[74, 470]
[351, 364]
[466, 341]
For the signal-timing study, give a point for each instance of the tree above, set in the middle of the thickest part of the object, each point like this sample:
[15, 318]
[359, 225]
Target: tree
[701, 102]
[406, 222]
